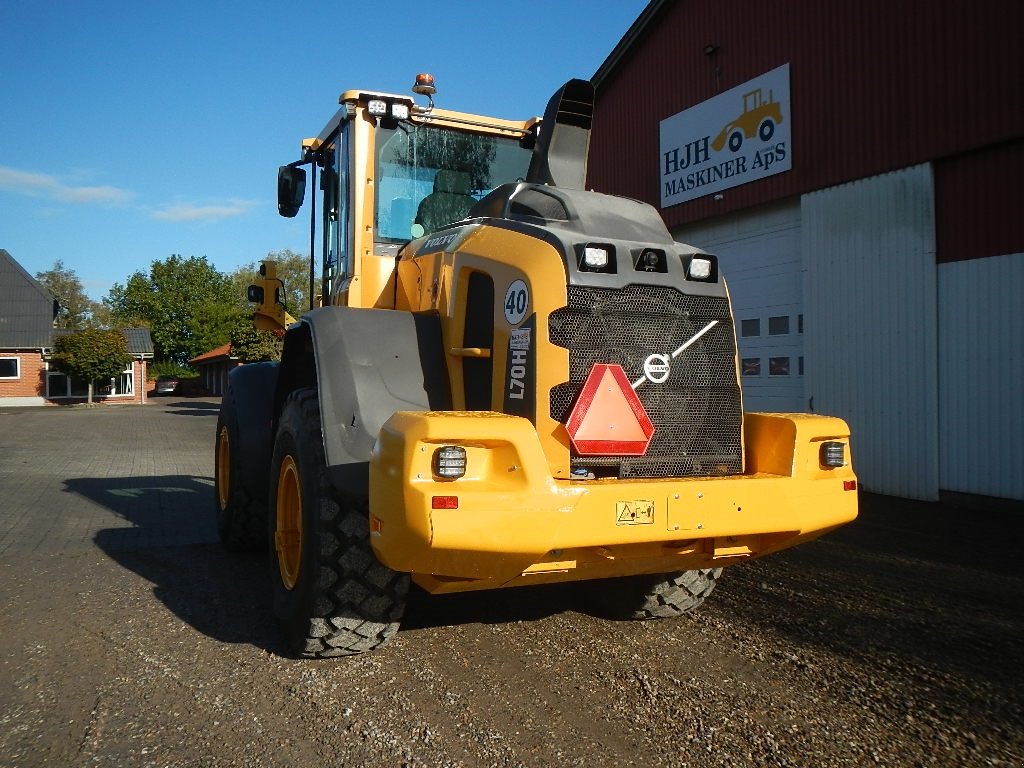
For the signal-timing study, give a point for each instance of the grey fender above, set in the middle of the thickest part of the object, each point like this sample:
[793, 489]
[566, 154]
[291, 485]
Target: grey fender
[368, 364]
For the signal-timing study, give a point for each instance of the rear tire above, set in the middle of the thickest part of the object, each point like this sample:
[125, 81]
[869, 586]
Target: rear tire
[331, 595]
[660, 596]
[241, 520]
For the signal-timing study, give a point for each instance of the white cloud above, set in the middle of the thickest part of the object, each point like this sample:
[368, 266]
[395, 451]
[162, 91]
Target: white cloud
[191, 212]
[45, 185]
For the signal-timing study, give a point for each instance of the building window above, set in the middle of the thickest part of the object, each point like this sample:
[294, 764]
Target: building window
[800, 364]
[778, 366]
[778, 326]
[59, 385]
[750, 327]
[126, 381]
[751, 366]
[10, 368]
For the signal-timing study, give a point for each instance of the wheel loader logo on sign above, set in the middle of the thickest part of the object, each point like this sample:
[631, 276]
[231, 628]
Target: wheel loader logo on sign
[736, 137]
[760, 116]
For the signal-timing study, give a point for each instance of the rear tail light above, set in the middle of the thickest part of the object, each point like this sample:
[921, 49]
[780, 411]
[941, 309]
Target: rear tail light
[450, 462]
[832, 455]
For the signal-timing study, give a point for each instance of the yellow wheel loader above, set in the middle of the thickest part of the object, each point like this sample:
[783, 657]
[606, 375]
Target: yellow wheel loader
[511, 381]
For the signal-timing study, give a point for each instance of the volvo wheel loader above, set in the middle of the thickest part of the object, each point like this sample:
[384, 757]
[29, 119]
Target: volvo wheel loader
[512, 381]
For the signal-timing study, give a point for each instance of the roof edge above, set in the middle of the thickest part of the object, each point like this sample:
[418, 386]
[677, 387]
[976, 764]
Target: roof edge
[28, 277]
[611, 63]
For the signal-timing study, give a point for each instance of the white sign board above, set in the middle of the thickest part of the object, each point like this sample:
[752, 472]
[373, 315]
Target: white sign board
[736, 137]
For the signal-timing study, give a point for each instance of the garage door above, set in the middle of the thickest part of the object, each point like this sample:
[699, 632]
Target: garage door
[759, 254]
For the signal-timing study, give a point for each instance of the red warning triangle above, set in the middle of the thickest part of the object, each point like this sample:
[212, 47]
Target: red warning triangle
[608, 418]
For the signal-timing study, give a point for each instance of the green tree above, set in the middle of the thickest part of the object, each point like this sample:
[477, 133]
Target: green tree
[76, 310]
[292, 268]
[252, 346]
[188, 306]
[91, 355]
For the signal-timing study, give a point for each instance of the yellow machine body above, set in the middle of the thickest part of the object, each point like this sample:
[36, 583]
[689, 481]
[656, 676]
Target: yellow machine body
[514, 524]
[518, 515]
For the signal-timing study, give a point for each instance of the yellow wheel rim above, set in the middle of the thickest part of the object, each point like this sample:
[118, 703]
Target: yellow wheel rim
[288, 532]
[223, 468]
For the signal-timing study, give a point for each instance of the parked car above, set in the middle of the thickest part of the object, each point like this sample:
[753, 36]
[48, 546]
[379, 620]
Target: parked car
[166, 385]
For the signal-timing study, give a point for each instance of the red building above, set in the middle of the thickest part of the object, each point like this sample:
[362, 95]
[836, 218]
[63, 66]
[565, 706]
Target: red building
[855, 166]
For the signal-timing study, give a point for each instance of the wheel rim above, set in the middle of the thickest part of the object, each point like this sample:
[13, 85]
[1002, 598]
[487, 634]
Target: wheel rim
[288, 532]
[223, 468]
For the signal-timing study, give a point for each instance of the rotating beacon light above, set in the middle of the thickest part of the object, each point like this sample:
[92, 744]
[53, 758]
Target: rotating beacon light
[424, 86]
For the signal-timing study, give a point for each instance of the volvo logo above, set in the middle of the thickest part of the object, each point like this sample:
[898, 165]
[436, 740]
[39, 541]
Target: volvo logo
[657, 369]
[656, 366]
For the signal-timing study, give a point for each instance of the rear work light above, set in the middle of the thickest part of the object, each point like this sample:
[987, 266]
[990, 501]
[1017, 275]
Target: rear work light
[450, 462]
[596, 257]
[699, 268]
[377, 107]
[832, 455]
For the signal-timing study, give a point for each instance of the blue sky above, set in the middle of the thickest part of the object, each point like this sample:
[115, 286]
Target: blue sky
[131, 131]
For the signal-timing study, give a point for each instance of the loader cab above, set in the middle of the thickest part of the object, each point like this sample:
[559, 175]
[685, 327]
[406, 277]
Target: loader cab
[387, 171]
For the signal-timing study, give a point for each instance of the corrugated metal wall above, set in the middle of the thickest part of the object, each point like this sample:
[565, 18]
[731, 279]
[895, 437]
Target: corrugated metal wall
[875, 86]
[760, 258]
[870, 330]
[981, 370]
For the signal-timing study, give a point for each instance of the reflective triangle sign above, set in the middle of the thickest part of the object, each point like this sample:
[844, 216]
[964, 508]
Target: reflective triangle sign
[608, 418]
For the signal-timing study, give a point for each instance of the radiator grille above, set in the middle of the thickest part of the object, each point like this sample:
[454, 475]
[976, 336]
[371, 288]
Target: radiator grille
[696, 413]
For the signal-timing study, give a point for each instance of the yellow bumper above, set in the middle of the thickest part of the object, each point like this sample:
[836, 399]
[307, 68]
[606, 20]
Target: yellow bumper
[515, 524]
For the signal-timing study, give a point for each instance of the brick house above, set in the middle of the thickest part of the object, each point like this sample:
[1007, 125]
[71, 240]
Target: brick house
[27, 335]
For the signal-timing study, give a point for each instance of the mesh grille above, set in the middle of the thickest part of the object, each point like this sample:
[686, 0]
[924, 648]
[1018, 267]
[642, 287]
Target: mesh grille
[696, 412]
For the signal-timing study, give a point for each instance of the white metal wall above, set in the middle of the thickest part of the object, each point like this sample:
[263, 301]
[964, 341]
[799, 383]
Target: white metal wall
[870, 328]
[981, 375]
[759, 255]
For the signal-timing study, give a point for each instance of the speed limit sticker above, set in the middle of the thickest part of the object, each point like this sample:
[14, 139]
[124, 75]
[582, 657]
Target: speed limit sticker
[517, 299]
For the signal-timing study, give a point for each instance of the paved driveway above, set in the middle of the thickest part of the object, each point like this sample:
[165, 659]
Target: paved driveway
[117, 477]
[129, 637]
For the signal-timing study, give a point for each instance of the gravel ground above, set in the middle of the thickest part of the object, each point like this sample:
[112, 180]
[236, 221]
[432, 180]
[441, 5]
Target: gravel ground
[897, 641]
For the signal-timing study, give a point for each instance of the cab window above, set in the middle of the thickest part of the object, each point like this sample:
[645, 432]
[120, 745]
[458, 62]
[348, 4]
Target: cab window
[428, 176]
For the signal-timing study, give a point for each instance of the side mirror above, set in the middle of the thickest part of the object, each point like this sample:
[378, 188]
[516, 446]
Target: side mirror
[254, 294]
[291, 189]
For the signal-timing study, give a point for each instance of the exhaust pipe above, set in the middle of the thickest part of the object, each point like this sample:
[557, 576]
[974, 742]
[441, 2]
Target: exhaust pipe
[560, 155]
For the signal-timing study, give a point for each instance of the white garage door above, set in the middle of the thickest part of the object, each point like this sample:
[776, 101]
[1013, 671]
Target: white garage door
[759, 255]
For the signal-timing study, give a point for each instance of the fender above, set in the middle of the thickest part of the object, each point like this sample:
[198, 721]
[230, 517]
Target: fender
[366, 364]
[252, 388]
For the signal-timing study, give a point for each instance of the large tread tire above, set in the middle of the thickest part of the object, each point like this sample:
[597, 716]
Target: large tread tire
[343, 601]
[241, 519]
[661, 596]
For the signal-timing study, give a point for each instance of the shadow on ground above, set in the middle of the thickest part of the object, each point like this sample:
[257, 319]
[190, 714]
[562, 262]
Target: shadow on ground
[903, 585]
[170, 539]
[192, 407]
